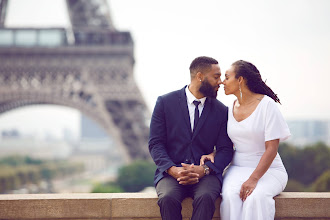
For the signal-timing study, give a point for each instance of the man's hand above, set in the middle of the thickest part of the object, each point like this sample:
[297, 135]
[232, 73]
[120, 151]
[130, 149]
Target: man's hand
[175, 172]
[188, 176]
[184, 174]
[191, 174]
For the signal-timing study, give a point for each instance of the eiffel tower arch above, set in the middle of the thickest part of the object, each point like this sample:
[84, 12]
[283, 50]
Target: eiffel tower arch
[88, 67]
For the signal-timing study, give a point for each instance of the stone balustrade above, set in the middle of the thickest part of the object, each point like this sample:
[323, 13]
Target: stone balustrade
[142, 206]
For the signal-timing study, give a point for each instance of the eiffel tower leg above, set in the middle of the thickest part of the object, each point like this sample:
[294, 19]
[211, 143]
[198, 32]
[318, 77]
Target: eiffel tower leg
[3, 10]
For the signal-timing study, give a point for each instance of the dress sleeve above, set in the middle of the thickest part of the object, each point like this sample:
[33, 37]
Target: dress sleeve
[275, 126]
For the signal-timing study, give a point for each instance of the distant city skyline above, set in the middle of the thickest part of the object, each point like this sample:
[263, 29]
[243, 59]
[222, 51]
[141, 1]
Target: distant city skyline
[287, 40]
[305, 132]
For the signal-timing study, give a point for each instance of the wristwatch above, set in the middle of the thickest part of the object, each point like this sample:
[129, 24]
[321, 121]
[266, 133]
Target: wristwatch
[206, 170]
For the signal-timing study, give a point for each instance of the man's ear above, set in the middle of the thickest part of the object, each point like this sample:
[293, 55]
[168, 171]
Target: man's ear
[199, 76]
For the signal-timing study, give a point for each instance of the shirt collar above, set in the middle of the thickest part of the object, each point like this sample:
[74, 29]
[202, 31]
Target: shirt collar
[191, 97]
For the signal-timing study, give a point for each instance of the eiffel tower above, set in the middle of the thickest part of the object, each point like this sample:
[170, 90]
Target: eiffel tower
[88, 67]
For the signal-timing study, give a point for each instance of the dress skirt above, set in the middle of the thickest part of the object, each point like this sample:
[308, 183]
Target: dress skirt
[260, 205]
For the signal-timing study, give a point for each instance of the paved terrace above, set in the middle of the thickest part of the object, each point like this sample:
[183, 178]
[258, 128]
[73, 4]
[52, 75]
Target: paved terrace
[140, 206]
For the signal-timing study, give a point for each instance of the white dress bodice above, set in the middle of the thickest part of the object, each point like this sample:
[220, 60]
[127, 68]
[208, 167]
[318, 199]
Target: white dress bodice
[249, 135]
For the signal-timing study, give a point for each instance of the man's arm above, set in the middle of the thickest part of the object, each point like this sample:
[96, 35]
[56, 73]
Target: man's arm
[224, 151]
[157, 148]
[157, 139]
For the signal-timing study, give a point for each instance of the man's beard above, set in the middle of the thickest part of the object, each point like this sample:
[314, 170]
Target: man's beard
[208, 90]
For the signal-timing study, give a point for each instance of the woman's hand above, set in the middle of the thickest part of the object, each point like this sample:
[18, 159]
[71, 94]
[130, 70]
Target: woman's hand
[247, 188]
[263, 165]
[205, 158]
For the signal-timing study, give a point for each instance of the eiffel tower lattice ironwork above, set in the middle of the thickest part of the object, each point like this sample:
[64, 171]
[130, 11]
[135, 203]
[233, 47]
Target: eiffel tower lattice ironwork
[88, 67]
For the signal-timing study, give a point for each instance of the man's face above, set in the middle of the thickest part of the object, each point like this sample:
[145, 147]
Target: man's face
[211, 82]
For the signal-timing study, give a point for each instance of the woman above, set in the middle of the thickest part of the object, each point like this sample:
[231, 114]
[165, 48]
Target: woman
[255, 126]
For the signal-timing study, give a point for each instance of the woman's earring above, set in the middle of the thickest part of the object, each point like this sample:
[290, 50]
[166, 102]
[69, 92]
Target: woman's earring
[240, 91]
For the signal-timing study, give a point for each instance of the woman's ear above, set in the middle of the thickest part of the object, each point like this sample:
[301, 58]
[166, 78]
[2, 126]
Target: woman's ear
[240, 79]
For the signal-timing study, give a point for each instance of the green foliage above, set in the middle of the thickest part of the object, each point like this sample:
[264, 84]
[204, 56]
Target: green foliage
[107, 188]
[48, 171]
[8, 179]
[305, 165]
[136, 176]
[19, 161]
[295, 186]
[322, 184]
[16, 171]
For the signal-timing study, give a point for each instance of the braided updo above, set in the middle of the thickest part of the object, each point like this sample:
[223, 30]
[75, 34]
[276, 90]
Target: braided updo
[253, 79]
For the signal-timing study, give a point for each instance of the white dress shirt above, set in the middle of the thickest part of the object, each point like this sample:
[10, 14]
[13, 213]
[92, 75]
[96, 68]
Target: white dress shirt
[191, 107]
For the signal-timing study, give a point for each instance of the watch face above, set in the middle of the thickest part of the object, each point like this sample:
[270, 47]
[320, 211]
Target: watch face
[206, 170]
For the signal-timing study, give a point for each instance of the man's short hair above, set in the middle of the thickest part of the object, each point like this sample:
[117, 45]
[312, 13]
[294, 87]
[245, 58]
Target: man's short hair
[201, 64]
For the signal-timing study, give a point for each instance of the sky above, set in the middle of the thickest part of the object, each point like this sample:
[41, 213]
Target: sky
[287, 40]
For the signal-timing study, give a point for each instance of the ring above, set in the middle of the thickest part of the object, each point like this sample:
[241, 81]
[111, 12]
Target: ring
[247, 191]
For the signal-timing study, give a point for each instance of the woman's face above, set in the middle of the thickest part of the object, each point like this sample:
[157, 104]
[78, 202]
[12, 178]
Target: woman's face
[231, 85]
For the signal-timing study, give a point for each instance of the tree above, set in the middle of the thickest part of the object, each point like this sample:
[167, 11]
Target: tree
[136, 176]
[294, 186]
[107, 188]
[322, 184]
[305, 165]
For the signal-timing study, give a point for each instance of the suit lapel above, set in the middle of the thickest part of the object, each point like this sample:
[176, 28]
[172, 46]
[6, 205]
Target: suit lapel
[184, 108]
[205, 113]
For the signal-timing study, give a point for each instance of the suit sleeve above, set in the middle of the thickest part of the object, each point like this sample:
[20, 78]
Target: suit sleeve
[157, 139]
[224, 150]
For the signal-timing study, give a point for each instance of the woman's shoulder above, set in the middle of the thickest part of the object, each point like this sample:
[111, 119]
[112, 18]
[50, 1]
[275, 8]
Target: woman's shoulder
[270, 107]
[269, 102]
[268, 99]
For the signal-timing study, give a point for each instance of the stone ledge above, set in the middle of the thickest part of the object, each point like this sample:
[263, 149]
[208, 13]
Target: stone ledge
[129, 206]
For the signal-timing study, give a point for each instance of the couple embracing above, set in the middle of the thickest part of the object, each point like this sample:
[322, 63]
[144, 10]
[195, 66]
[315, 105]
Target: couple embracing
[194, 137]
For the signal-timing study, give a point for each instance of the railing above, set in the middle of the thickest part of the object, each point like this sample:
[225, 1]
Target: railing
[131, 206]
[59, 37]
[32, 37]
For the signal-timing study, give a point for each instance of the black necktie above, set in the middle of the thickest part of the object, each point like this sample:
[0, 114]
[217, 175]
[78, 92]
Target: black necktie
[196, 118]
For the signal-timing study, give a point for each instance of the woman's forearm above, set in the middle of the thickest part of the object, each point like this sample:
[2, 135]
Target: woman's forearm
[266, 159]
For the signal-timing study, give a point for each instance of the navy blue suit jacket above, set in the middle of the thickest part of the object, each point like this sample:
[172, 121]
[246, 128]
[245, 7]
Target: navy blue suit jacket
[172, 142]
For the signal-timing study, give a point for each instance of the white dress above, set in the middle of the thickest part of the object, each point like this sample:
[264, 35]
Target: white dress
[249, 136]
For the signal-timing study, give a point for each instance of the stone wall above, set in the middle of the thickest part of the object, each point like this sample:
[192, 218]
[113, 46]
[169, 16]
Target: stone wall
[142, 206]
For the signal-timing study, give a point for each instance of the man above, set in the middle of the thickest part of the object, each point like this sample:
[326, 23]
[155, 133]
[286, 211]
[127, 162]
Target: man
[185, 125]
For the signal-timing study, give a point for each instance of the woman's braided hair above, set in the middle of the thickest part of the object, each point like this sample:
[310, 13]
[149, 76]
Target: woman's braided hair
[253, 79]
